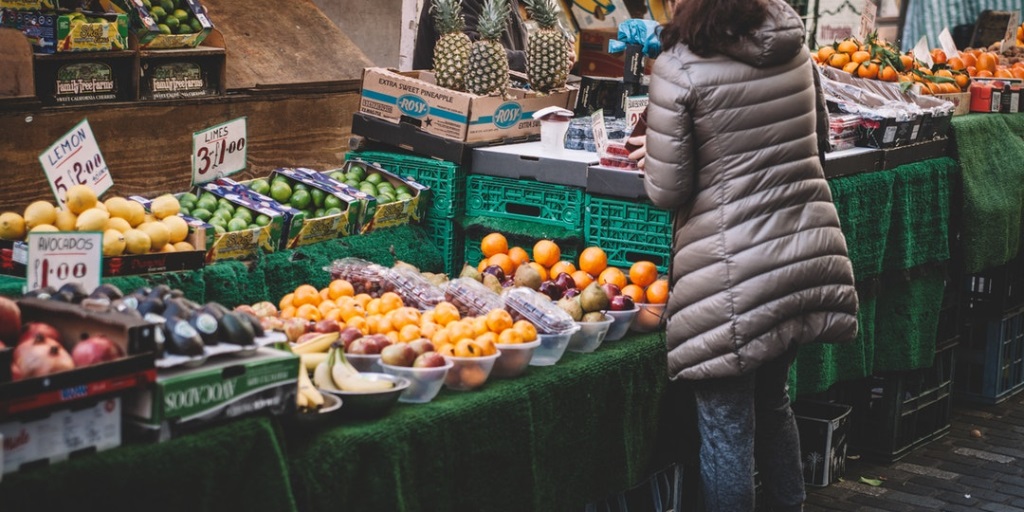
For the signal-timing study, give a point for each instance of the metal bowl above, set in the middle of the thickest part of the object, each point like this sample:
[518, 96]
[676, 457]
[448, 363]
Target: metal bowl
[366, 405]
[332, 404]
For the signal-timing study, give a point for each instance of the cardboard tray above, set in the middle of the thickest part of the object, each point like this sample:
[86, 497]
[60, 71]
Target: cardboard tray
[377, 216]
[136, 337]
[610, 181]
[921, 151]
[14, 256]
[532, 160]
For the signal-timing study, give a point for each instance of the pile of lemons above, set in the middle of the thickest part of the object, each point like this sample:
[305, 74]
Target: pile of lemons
[126, 227]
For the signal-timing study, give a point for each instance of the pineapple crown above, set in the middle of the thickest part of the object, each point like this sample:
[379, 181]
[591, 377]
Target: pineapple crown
[543, 12]
[493, 19]
[447, 16]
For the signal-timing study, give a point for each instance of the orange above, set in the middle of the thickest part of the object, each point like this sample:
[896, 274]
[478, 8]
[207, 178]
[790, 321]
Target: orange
[984, 73]
[851, 68]
[324, 294]
[326, 306]
[657, 292]
[309, 312]
[349, 311]
[466, 348]
[427, 330]
[546, 252]
[1002, 72]
[392, 336]
[287, 312]
[540, 270]
[440, 337]
[944, 72]
[390, 301]
[445, 313]
[1017, 72]
[614, 276]
[446, 349]
[888, 74]
[286, 301]
[363, 299]
[938, 56]
[461, 329]
[485, 338]
[949, 88]
[972, 71]
[593, 260]
[969, 59]
[498, 320]
[987, 62]
[962, 81]
[860, 56]
[334, 314]
[479, 325]
[373, 307]
[582, 279]
[340, 288]
[868, 70]
[526, 330]
[404, 316]
[643, 273]
[482, 265]
[494, 243]
[907, 61]
[504, 261]
[848, 46]
[409, 332]
[933, 87]
[634, 292]
[519, 256]
[384, 324]
[427, 317]
[487, 346]
[839, 60]
[510, 337]
[825, 52]
[359, 322]
[561, 267]
[306, 294]
[956, 64]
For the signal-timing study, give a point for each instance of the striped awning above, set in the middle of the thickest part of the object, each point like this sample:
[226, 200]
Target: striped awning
[929, 17]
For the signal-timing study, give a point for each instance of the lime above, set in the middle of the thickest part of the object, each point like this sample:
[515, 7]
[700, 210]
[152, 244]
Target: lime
[279, 178]
[280, 191]
[208, 196]
[223, 214]
[185, 210]
[225, 204]
[187, 196]
[260, 185]
[337, 176]
[385, 199]
[300, 186]
[164, 29]
[187, 203]
[368, 187]
[403, 189]
[375, 178]
[158, 13]
[300, 199]
[404, 197]
[318, 196]
[217, 221]
[319, 212]
[352, 183]
[181, 14]
[254, 226]
[184, 28]
[202, 214]
[262, 220]
[219, 229]
[332, 211]
[244, 214]
[147, 4]
[237, 225]
[171, 22]
[358, 169]
[332, 201]
[168, 5]
[196, 25]
[203, 204]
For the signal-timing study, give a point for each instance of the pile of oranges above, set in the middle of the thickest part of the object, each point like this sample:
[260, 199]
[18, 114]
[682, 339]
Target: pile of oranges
[640, 281]
[877, 59]
[983, 64]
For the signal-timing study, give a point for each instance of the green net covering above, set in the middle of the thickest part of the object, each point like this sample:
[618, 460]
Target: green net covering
[864, 203]
[991, 153]
[906, 322]
[919, 227]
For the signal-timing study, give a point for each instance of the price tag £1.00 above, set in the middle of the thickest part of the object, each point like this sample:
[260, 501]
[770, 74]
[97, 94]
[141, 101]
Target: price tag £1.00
[218, 151]
[75, 159]
[56, 259]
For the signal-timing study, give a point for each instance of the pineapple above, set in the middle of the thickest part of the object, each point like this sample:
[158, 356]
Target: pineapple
[547, 57]
[488, 64]
[451, 53]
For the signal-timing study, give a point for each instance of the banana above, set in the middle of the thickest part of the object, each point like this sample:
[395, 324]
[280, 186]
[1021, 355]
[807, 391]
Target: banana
[358, 384]
[310, 361]
[318, 344]
[300, 400]
[322, 375]
[308, 391]
[341, 369]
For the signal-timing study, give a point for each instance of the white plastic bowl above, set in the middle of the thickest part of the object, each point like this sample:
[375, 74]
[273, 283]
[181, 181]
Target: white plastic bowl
[650, 318]
[590, 335]
[365, 362]
[514, 359]
[424, 383]
[469, 373]
[623, 320]
[551, 348]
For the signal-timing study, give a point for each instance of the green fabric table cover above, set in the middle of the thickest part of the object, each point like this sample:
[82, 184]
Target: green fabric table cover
[991, 155]
[236, 466]
[552, 439]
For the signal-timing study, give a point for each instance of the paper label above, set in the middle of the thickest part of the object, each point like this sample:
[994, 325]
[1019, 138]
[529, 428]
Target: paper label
[600, 132]
[947, 44]
[75, 159]
[56, 259]
[923, 53]
[867, 19]
[219, 151]
[1010, 39]
[635, 106]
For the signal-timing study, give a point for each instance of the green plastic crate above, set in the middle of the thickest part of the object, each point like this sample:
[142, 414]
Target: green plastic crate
[473, 254]
[447, 181]
[629, 231]
[447, 236]
[543, 203]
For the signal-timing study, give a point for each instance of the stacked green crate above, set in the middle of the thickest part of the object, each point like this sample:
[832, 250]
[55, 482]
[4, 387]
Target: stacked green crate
[629, 231]
[447, 182]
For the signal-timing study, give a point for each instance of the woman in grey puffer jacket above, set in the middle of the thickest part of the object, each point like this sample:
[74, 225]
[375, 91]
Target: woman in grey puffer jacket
[759, 263]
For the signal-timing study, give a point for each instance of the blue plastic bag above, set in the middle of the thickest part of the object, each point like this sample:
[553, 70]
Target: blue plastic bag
[646, 33]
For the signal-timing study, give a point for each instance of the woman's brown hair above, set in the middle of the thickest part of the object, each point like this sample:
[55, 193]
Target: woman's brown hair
[705, 26]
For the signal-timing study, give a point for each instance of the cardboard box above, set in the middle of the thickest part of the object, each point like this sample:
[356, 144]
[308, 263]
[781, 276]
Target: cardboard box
[608, 94]
[413, 98]
[183, 398]
[395, 213]
[80, 78]
[246, 244]
[823, 440]
[852, 161]
[147, 27]
[614, 182]
[69, 32]
[135, 337]
[961, 100]
[385, 134]
[532, 161]
[60, 435]
[184, 72]
[320, 229]
[595, 60]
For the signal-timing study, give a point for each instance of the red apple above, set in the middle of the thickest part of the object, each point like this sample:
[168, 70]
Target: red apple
[327, 325]
[295, 327]
[565, 280]
[362, 346]
[94, 350]
[264, 309]
[552, 289]
[306, 337]
[246, 309]
[421, 346]
[611, 290]
[429, 360]
[39, 356]
[348, 335]
[622, 303]
[398, 354]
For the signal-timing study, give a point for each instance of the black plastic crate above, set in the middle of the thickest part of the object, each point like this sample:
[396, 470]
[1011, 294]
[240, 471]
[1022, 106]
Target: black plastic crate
[897, 412]
[991, 359]
[989, 293]
[659, 493]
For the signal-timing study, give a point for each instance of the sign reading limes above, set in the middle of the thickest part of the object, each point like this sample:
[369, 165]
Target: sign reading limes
[75, 159]
[59, 258]
[218, 151]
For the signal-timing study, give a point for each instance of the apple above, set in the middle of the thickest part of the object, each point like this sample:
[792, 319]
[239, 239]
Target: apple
[398, 354]
[611, 290]
[327, 325]
[622, 303]
[552, 289]
[380, 341]
[421, 346]
[429, 360]
[348, 335]
[570, 293]
[94, 350]
[245, 308]
[496, 271]
[565, 281]
[306, 337]
[295, 327]
[362, 346]
[264, 309]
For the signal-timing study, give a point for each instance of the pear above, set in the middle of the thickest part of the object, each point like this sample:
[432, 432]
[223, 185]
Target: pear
[471, 272]
[593, 316]
[571, 305]
[528, 277]
[491, 281]
[594, 298]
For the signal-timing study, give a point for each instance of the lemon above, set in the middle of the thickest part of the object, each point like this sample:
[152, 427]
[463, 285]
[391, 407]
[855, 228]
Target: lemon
[138, 213]
[118, 223]
[40, 212]
[118, 207]
[12, 226]
[168, 248]
[165, 206]
[183, 246]
[80, 198]
[99, 205]
[178, 228]
[113, 243]
[66, 220]
[148, 218]
[158, 232]
[136, 242]
[92, 219]
[44, 228]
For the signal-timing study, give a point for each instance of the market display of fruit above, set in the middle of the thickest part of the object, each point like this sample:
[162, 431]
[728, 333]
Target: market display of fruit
[173, 16]
[372, 183]
[315, 203]
[220, 213]
[877, 59]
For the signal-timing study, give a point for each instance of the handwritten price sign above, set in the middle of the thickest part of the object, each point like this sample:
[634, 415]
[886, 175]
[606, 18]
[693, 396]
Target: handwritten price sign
[218, 151]
[56, 259]
[75, 159]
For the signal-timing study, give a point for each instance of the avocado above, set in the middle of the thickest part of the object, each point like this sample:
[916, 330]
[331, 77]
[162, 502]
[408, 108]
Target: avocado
[182, 338]
[109, 291]
[206, 325]
[73, 293]
[257, 327]
[236, 330]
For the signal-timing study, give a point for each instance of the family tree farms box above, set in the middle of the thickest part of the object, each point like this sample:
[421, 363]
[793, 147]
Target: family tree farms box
[413, 98]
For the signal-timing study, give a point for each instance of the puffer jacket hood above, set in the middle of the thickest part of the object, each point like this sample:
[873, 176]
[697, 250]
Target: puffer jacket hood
[777, 41]
[759, 262]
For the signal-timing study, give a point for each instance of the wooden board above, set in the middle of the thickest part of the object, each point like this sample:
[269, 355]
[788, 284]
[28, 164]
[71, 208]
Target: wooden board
[148, 145]
[272, 43]
[16, 62]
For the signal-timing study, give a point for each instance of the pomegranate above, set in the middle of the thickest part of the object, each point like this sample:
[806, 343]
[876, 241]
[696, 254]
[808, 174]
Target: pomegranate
[94, 350]
[10, 320]
[41, 356]
[29, 331]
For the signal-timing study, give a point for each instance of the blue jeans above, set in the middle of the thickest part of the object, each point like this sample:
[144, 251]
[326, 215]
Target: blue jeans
[727, 411]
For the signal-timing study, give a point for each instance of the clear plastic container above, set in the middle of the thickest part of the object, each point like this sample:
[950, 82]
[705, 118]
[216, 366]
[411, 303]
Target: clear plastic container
[424, 383]
[469, 373]
[650, 318]
[365, 277]
[471, 297]
[552, 347]
[365, 362]
[414, 289]
[514, 359]
[524, 303]
[623, 320]
[843, 126]
[590, 335]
